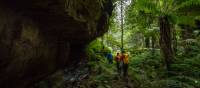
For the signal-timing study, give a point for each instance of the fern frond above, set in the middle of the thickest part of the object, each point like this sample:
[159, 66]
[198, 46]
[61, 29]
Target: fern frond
[189, 7]
[147, 6]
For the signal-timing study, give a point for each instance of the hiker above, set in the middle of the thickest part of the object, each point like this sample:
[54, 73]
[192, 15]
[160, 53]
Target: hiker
[118, 60]
[125, 63]
[110, 57]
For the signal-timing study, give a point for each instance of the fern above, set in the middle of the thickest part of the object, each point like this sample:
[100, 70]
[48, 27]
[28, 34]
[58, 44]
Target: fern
[188, 4]
[187, 80]
[189, 7]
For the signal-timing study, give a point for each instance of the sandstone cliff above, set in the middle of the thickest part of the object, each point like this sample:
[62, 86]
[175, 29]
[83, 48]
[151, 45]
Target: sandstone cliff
[38, 37]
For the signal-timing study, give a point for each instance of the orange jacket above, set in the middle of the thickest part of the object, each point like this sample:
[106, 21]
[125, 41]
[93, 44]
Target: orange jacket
[125, 58]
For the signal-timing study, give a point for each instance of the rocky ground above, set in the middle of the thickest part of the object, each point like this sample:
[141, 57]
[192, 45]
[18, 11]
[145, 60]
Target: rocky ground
[101, 75]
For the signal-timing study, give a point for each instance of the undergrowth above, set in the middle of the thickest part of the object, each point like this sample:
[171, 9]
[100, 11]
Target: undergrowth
[146, 70]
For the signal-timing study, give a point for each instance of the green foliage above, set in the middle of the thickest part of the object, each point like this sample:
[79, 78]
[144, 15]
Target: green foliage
[146, 65]
[101, 72]
[167, 84]
[148, 72]
[188, 7]
[95, 50]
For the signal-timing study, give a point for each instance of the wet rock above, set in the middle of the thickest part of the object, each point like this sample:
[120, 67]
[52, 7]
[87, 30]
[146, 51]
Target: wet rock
[74, 75]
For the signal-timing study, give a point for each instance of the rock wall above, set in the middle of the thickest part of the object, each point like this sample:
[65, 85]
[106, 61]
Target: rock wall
[38, 37]
[26, 55]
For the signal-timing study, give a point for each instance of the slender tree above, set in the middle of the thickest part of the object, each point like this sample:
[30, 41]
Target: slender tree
[122, 29]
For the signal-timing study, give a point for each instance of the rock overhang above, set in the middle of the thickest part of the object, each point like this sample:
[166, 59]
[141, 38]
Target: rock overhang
[74, 20]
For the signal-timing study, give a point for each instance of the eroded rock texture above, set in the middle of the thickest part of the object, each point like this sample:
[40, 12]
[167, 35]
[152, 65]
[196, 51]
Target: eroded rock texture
[38, 37]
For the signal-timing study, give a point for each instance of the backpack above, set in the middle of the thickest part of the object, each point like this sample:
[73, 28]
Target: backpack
[118, 58]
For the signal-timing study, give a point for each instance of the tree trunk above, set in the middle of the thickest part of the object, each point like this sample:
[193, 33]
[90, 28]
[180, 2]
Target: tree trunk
[187, 33]
[122, 29]
[166, 41]
[153, 41]
[147, 42]
[174, 39]
[153, 44]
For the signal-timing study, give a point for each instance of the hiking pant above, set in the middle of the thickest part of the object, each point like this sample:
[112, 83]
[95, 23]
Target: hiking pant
[125, 69]
[118, 67]
[110, 61]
